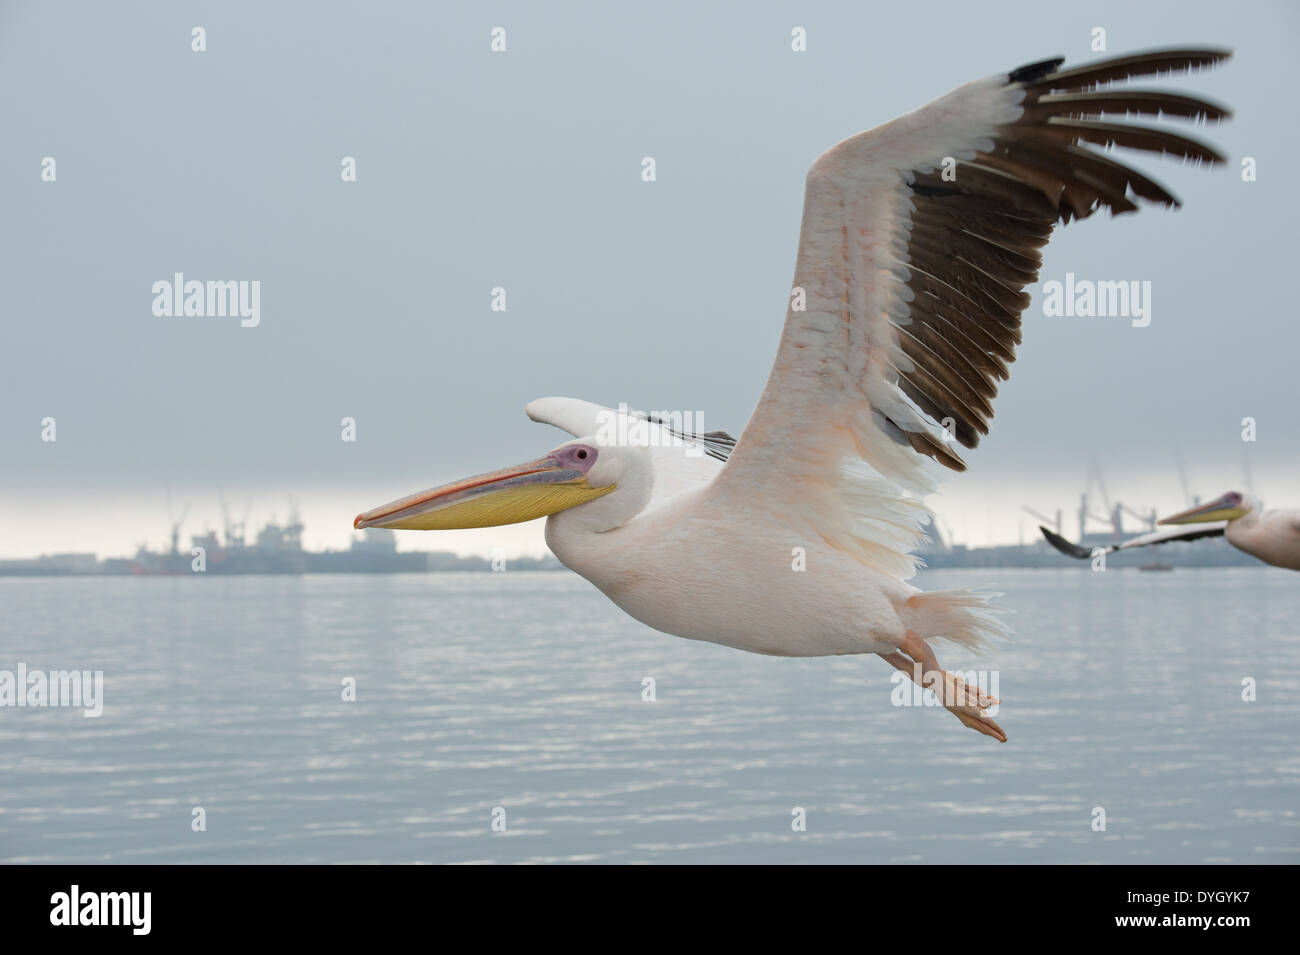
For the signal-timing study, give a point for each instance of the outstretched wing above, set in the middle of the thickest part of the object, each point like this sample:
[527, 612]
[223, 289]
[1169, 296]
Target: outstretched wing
[681, 459]
[1186, 532]
[918, 241]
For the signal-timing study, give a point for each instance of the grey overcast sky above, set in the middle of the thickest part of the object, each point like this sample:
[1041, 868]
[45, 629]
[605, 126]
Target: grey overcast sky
[522, 170]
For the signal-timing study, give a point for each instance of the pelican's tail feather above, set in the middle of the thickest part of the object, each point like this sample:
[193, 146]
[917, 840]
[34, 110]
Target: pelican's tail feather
[964, 617]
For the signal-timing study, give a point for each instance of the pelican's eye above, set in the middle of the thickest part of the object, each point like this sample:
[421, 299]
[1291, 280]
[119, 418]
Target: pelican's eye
[578, 456]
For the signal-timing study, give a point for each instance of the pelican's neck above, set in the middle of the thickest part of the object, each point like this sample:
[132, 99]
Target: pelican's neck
[1247, 531]
[634, 485]
[1248, 521]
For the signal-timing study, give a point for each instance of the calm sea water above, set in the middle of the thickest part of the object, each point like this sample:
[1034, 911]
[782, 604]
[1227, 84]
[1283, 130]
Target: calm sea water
[523, 692]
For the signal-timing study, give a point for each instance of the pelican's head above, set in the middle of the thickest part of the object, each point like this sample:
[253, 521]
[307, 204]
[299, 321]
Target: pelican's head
[574, 473]
[1229, 507]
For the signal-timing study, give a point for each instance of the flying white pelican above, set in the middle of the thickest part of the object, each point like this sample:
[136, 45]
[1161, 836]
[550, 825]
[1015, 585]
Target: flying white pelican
[1273, 535]
[918, 240]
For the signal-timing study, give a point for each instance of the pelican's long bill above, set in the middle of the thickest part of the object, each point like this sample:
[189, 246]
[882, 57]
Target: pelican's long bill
[509, 496]
[1226, 508]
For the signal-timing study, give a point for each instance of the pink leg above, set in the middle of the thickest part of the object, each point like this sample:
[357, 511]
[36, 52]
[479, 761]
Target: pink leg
[965, 702]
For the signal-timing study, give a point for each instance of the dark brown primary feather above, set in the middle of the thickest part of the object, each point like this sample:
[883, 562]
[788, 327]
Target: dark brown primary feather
[973, 245]
[1141, 102]
[1151, 63]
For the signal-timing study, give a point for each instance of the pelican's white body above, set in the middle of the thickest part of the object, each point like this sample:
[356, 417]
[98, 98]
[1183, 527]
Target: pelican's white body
[675, 548]
[701, 571]
[1272, 536]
